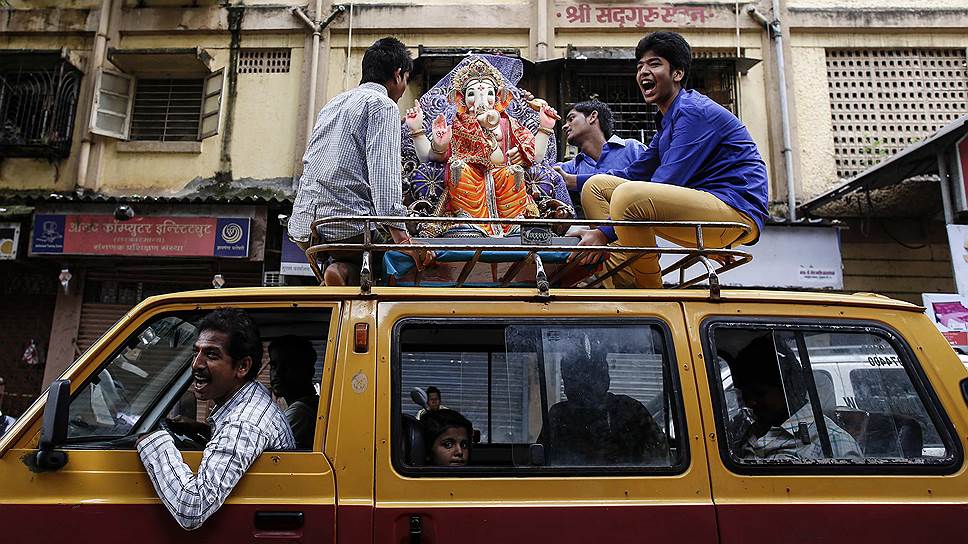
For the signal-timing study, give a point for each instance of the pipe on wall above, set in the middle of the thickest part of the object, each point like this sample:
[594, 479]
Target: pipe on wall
[314, 64]
[541, 35]
[775, 30]
[97, 62]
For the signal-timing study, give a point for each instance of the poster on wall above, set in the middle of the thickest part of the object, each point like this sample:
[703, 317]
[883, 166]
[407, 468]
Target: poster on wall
[9, 241]
[149, 236]
[958, 244]
[948, 312]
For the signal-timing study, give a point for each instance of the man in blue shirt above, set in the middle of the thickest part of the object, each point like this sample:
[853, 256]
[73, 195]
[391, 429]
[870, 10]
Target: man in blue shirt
[702, 165]
[588, 126]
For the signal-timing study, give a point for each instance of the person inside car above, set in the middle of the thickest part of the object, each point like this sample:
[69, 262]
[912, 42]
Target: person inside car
[244, 421]
[292, 362]
[596, 427]
[448, 435]
[779, 421]
[433, 402]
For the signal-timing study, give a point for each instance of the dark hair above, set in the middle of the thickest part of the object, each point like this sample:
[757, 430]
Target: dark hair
[759, 363]
[296, 352]
[244, 339]
[433, 389]
[437, 423]
[383, 58]
[605, 119]
[670, 46]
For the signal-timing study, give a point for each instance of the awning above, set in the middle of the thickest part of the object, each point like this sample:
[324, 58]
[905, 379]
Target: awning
[192, 61]
[445, 58]
[915, 160]
[12, 60]
[743, 63]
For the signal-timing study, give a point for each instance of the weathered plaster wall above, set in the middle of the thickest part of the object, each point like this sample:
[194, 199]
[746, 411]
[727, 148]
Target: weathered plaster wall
[266, 124]
[878, 4]
[817, 165]
[810, 85]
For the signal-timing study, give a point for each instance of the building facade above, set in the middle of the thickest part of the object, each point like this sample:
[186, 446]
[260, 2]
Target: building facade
[187, 113]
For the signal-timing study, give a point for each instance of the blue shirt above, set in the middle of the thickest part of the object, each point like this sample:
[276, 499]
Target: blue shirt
[616, 154]
[701, 145]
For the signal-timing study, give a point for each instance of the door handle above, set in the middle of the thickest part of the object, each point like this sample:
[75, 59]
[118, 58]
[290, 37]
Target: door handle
[416, 529]
[279, 521]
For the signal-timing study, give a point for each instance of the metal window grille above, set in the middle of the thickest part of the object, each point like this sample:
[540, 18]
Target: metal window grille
[37, 107]
[614, 83]
[264, 61]
[167, 110]
[883, 100]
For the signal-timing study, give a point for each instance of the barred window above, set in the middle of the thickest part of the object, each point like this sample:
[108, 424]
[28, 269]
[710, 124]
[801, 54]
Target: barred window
[38, 100]
[882, 100]
[167, 110]
[613, 82]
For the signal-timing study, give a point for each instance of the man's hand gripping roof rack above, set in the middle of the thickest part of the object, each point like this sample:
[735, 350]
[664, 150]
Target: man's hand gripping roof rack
[536, 237]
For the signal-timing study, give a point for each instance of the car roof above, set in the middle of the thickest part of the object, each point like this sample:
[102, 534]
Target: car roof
[286, 294]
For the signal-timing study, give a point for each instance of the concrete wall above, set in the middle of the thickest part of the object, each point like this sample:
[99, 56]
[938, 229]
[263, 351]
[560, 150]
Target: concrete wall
[810, 86]
[896, 258]
[277, 102]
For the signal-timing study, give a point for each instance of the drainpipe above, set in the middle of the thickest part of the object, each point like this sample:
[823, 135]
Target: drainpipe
[541, 48]
[97, 61]
[775, 30]
[317, 27]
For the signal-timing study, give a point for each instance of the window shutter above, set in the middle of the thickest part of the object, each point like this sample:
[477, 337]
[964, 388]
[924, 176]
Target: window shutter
[211, 115]
[113, 99]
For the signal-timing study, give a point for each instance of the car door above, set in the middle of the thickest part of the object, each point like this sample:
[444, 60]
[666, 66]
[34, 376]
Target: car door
[635, 469]
[886, 465]
[134, 376]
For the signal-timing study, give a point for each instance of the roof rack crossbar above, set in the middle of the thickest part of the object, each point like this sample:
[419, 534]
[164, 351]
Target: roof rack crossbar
[515, 268]
[468, 266]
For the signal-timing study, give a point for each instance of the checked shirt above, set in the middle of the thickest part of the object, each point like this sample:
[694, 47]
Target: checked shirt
[352, 164]
[242, 428]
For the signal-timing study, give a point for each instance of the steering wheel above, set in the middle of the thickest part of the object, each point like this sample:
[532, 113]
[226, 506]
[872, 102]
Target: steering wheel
[184, 439]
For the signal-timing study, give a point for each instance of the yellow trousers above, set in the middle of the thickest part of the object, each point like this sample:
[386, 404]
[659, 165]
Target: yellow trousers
[605, 196]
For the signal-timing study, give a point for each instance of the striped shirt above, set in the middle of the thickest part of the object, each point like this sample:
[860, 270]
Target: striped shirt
[242, 429]
[352, 164]
[784, 441]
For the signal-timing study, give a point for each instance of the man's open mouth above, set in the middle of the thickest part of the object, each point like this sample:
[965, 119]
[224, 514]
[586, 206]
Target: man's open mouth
[200, 382]
[647, 84]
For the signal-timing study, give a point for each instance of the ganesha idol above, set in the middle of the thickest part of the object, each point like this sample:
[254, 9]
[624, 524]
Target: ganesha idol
[494, 163]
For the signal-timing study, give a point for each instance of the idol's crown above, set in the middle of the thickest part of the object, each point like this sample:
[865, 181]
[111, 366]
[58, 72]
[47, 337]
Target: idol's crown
[476, 70]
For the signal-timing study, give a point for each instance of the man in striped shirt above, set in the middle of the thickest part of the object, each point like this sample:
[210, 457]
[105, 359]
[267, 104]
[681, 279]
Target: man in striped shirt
[244, 421]
[352, 163]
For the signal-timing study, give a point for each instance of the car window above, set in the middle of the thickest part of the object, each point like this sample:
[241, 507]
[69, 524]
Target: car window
[534, 397]
[147, 381]
[799, 396]
[114, 401]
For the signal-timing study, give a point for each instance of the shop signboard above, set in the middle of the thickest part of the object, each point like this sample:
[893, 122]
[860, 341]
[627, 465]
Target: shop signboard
[294, 261]
[144, 236]
[9, 241]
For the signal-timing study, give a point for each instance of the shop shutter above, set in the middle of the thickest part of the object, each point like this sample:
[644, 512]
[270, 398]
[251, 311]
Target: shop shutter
[463, 382]
[96, 319]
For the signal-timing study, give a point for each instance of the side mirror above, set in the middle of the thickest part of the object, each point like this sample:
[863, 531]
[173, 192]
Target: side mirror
[53, 432]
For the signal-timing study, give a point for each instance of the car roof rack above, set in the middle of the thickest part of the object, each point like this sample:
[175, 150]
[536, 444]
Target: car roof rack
[536, 237]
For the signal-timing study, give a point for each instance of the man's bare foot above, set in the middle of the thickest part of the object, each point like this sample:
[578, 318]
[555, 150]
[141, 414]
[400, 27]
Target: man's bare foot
[339, 274]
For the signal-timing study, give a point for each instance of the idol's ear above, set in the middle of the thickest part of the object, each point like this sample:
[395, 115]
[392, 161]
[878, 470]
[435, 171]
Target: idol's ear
[453, 96]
